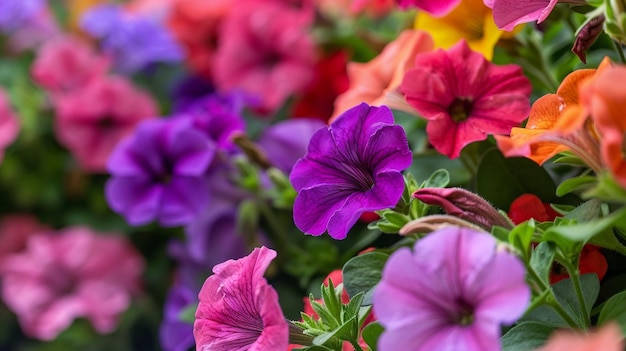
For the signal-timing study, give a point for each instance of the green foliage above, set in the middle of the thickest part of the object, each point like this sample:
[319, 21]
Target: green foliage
[362, 273]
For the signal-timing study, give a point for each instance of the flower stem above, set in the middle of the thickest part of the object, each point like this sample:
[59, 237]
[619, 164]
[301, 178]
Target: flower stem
[620, 52]
[356, 345]
[575, 276]
[552, 302]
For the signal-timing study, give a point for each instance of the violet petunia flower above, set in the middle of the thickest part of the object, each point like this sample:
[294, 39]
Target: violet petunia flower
[464, 97]
[286, 141]
[351, 167]
[456, 288]
[437, 8]
[174, 333]
[238, 309]
[509, 13]
[158, 173]
[132, 39]
[15, 13]
[73, 273]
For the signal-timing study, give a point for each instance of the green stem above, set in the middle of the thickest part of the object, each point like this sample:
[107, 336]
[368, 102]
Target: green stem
[356, 345]
[620, 52]
[575, 276]
[553, 302]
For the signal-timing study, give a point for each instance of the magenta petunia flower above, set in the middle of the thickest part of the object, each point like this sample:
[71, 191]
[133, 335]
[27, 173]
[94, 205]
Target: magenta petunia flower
[456, 288]
[509, 13]
[159, 173]
[464, 97]
[436, 8]
[238, 309]
[92, 120]
[351, 167]
[265, 49]
[74, 273]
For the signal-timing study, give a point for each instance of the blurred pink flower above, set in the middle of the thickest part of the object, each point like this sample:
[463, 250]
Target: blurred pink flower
[15, 230]
[67, 64]
[92, 120]
[265, 49]
[9, 124]
[607, 338]
[509, 13]
[435, 8]
[238, 309]
[73, 273]
[376, 8]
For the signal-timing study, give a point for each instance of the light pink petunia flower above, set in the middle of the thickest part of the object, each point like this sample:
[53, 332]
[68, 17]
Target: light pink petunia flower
[73, 273]
[265, 49]
[455, 288]
[509, 13]
[464, 97]
[238, 309]
[66, 64]
[435, 8]
[9, 124]
[90, 122]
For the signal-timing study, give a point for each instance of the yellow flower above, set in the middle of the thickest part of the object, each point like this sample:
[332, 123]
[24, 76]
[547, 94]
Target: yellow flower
[470, 20]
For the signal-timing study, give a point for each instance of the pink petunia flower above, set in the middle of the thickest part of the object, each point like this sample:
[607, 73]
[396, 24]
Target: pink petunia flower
[265, 49]
[509, 13]
[15, 230]
[436, 8]
[73, 273]
[9, 124]
[67, 64]
[91, 121]
[455, 288]
[465, 97]
[238, 309]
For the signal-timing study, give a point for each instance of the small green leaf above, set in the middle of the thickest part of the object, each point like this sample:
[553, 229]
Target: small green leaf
[614, 309]
[371, 333]
[525, 336]
[439, 179]
[521, 238]
[363, 272]
[541, 260]
[396, 218]
[574, 184]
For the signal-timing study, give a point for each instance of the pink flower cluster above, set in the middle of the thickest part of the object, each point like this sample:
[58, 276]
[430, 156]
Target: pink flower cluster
[51, 278]
[94, 111]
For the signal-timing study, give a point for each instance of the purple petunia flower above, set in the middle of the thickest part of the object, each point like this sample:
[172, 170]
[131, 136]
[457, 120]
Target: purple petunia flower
[174, 333]
[286, 142]
[455, 288]
[134, 40]
[14, 13]
[238, 309]
[352, 166]
[160, 173]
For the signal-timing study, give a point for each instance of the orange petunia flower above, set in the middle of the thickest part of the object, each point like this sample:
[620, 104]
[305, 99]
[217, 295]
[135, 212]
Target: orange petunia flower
[557, 123]
[377, 82]
[604, 98]
[607, 338]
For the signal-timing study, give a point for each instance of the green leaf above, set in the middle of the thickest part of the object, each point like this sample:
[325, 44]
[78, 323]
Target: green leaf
[566, 295]
[395, 218]
[342, 332]
[576, 183]
[614, 309]
[541, 260]
[439, 179]
[363, 272]
[521, 238]
[525, 336]
[501, 180]
[371, 333]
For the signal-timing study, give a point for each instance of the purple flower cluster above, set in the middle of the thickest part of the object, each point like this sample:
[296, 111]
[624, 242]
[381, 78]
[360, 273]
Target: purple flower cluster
[351, 167]
[135, 41]
[13, 13]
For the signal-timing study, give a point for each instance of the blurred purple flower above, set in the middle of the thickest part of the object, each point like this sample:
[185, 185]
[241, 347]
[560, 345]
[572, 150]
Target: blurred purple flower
[218, 116]
[455, 288]
[351, 167]
[238, 309]
[160, 173]
[134, 40]
[188, 91]
[175, 334]
[286, 142]
[15, 13]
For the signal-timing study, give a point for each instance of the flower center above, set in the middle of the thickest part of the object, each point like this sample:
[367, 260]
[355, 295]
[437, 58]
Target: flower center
[460, 109]
[464, 315]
